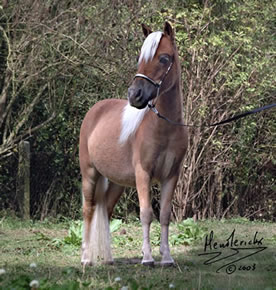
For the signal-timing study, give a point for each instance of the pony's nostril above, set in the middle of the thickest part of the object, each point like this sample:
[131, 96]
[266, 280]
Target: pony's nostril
[136, 96]
[139, 95]
[134, 93]
[130, 92]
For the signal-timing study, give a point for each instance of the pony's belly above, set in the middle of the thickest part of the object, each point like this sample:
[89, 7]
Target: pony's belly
[126, 181]
[111, 159]
[117, 172]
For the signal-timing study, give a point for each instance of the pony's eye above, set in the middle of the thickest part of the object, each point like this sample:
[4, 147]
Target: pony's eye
[164, 59]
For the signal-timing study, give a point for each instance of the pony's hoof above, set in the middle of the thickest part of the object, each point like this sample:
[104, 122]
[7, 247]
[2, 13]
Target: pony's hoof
[148, 263]
[86, 263]
[108, 262]
[167, 264]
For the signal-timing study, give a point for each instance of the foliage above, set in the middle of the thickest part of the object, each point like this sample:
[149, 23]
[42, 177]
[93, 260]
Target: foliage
[74, 237]
[188, 232]
[115, 225]
[58, 58]
[226, 64]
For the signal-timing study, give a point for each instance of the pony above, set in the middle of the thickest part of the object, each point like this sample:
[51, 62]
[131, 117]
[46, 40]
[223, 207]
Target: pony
[123, 143]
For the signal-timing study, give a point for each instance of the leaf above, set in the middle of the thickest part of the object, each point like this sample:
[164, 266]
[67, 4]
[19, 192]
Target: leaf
[115, 225]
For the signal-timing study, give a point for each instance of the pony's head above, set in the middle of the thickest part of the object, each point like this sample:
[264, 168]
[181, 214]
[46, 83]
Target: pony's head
[155, 67]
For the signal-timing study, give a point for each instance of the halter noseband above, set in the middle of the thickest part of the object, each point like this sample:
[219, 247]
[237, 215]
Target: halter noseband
[156, 84]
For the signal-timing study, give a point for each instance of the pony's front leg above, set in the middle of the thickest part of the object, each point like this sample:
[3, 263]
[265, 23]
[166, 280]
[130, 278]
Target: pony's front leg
[167, 192]
[146, 213]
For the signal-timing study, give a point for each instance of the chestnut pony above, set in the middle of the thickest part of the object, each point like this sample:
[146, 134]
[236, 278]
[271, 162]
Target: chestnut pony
[123, 143]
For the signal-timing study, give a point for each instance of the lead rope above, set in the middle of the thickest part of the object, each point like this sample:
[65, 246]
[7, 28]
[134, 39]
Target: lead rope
[254, 111]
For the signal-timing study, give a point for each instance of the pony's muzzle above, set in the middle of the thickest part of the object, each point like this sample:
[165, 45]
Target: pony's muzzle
[136, 98]
[141, 92]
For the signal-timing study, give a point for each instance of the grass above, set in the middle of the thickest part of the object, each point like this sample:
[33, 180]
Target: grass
[55, 257]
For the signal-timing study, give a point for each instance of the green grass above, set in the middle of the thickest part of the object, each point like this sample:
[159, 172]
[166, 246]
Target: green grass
[54, 248]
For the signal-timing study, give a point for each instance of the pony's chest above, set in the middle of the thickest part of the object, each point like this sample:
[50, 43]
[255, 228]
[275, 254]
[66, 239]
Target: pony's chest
[165, 165]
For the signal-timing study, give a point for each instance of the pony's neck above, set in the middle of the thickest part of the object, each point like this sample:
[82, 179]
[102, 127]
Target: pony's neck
[170, 103]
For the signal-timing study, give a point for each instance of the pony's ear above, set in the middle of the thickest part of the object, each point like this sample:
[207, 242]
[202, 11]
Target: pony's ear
[168, 30]
[146, 30]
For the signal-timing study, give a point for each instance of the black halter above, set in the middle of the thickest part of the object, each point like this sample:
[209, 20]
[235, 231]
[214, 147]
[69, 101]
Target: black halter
[156, 84]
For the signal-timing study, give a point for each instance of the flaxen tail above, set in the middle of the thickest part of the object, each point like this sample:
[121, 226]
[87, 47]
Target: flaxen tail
[99, 247]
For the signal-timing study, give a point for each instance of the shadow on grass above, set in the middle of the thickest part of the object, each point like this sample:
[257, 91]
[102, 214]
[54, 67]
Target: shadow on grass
[257, 271]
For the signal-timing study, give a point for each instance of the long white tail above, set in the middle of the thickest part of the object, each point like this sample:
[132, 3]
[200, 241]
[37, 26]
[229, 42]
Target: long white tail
[99, 247]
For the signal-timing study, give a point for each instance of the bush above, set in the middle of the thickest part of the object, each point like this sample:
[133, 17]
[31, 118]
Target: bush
[58, 58]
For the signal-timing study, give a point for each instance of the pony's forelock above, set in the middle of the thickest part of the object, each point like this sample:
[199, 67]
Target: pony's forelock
[150, 46]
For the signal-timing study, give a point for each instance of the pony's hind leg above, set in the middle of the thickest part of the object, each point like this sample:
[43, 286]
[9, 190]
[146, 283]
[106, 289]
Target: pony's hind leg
[114, 192]
[99, 246]
[99, 199]
[167, 192]
[89, 181]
